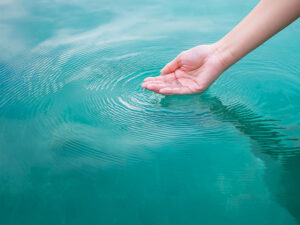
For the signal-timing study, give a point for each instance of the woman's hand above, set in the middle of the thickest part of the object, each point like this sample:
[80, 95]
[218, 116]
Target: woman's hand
[192, 71]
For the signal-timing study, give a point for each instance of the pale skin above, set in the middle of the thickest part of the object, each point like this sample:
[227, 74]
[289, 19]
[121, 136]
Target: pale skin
[194, 70]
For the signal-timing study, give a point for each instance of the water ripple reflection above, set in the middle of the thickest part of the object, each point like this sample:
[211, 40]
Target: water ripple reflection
[76, 126]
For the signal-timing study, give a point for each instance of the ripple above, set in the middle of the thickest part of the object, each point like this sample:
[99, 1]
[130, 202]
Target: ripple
[268, 87]
[100, 86]
[123, 102]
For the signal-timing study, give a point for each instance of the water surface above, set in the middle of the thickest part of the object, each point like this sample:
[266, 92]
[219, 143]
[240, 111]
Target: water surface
[82, 143]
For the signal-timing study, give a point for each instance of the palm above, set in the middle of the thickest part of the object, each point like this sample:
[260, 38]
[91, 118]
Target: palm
[192, 71]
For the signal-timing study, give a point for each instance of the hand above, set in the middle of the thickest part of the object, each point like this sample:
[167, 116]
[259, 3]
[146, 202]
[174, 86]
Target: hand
[192, 71]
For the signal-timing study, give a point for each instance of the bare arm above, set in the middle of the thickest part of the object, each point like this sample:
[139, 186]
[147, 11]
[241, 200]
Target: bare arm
[194, 70]
[264, 21]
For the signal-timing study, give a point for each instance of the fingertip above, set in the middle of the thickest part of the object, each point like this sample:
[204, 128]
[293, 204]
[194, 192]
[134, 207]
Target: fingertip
[144, 85]
[164, 71]
[172, 66]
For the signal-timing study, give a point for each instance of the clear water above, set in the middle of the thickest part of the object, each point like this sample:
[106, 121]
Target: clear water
[82, 143]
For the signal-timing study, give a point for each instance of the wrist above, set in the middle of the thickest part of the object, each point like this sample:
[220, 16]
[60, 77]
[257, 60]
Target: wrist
[225, 53]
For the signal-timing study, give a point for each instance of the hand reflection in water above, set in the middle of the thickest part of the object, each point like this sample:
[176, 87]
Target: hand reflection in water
[268, 140]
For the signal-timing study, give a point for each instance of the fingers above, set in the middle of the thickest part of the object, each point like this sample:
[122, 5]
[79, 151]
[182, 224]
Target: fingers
[166, 83]
[146, 84]
[172, 66]
[166, 78]
[175, 91]
[154, 86]
[159, 78]
[166, 88]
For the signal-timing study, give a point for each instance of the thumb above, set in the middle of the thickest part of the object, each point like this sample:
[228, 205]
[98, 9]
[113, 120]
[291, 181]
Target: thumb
[172, 66]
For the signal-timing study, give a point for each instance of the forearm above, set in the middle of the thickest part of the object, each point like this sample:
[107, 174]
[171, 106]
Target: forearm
[265, 20]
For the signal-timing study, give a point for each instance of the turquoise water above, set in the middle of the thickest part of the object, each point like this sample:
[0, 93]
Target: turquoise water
[82, 143]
